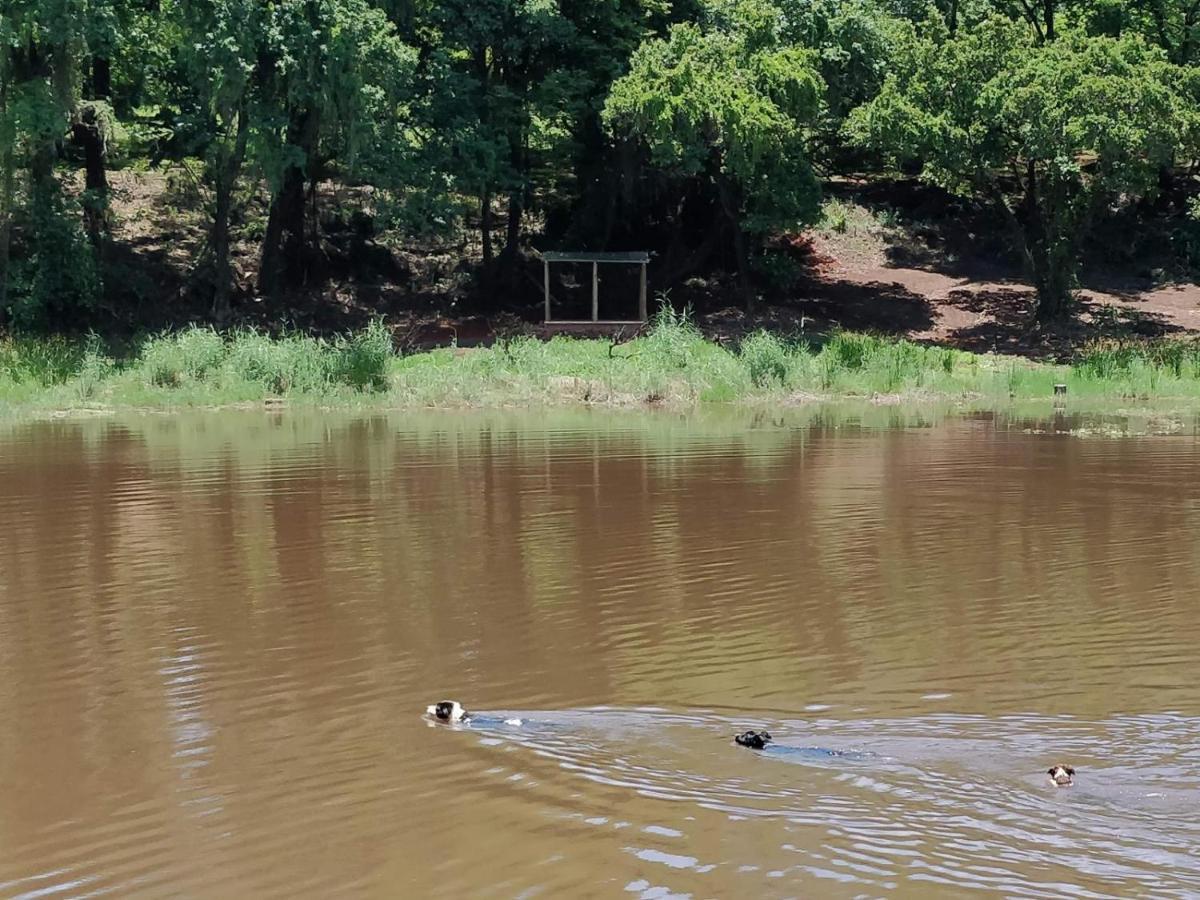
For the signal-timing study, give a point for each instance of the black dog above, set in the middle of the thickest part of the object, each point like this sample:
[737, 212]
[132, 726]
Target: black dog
[755, 740]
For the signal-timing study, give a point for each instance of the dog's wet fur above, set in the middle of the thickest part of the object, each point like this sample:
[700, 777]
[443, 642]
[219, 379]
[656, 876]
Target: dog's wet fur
[1061, 776]
[755, 740]
[448, 711]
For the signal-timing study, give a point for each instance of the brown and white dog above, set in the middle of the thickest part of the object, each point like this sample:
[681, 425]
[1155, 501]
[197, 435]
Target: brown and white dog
[1061, 776]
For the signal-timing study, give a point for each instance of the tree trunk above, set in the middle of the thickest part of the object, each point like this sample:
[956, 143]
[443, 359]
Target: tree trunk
[512, 235]
[1054, 295]
[516, 197]
[285, 258]
[101, 78]
[31, 64]
[6, 197]
[227, 175]
[728, 193]
[1050, 257]
[483, 71]
[485, 228]
[7, 185]
[1051, 273]
[87, 132]
[41, 173]
[510, 256]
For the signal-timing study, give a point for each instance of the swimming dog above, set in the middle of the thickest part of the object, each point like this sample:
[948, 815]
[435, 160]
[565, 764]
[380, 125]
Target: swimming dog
[755, 740]
[1061, 776]
[452, 711]
[448, 711]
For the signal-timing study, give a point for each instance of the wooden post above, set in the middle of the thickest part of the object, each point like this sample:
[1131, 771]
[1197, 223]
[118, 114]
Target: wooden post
[546, 266]
[642, 296]
[595, 292]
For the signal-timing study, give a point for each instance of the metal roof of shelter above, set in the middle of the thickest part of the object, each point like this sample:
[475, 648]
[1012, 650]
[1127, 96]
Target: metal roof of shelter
[637, 257]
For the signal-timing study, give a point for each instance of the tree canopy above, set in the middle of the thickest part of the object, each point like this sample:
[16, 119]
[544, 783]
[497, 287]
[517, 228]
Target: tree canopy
[1055, 132]
[699, 129]
[730, 101]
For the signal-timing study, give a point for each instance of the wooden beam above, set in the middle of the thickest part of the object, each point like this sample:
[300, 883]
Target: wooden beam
[642, 296]
[595, 292]
[546, 268]
[634, 258]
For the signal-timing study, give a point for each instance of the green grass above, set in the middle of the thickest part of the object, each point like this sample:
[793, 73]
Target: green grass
[842, 217]
[671, 363]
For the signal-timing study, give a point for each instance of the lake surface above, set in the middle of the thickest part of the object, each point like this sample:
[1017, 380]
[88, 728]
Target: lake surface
[219, 632]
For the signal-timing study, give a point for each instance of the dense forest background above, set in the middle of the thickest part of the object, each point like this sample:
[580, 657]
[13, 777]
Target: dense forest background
[172, 160]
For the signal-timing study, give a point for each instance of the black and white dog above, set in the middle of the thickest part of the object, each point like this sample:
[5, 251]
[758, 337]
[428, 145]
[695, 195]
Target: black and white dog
[451, 711]
[448, 711]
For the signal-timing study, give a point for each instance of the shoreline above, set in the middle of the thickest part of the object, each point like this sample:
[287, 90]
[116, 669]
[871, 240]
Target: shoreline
[1103, 420]
[671, 367]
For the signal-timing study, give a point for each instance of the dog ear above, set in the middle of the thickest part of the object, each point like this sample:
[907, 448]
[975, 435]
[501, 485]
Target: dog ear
[1070, 771]
[1050, 771]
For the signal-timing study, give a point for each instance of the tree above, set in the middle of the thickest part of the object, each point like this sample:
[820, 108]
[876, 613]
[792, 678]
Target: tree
[1054, 133]
[1173, 25]
[729, 102]
[219, 52]
[852, 42]
[41, 42]
[326, 65]
[503, 97]
[592, 189]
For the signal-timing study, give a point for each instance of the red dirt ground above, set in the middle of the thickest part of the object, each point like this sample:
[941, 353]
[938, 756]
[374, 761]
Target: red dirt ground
[980, 307]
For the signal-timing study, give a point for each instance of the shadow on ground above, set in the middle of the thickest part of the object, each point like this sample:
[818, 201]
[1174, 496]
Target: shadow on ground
[1010, 325]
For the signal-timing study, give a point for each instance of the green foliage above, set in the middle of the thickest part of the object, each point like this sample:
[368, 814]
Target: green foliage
[95, 369]
[730, 99]
[671, 363]
[1056, 131]
[172, 359]
[56, 277]
[497, 114]
[840, 217]
[1113, 360]
[673, 337]
[778, 270]
[291, 365]
[765, 358]
[40, 361]
[363, 357]
[288, 365]
[853, 45]
[599, 123]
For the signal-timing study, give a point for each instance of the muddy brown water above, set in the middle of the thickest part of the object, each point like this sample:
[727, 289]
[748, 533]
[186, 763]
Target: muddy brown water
[218, 633]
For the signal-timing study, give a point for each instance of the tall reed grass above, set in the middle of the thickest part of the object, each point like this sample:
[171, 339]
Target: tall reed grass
[671, 362]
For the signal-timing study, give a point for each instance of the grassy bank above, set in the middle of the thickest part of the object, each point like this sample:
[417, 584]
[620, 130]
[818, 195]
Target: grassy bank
[672, 363]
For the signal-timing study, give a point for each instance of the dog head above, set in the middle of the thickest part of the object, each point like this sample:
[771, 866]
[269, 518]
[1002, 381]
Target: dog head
[755, 740]
[1062, 776]
[447, 711]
